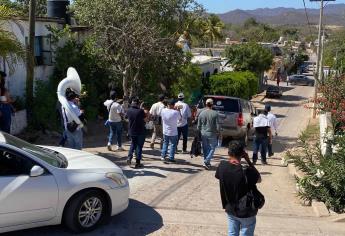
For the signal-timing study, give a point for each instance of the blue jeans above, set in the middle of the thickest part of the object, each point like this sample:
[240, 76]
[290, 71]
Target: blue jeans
[75, 139]
[115, 129]
[260, 144]
[244, 225]
[137, 143]
[209, 145]
[173, 143]
[184, 132]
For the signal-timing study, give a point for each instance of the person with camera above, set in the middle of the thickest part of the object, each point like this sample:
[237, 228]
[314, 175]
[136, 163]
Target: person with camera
[74, 133]
[240, 197]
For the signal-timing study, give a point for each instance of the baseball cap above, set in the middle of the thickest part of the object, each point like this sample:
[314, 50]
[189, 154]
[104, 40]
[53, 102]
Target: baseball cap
[180, 95]
[209, 101]
[171, 101]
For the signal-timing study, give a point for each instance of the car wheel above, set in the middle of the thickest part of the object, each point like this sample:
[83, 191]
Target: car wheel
[86, 211]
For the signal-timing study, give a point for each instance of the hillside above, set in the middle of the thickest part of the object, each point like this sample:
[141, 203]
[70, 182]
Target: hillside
[334, 15]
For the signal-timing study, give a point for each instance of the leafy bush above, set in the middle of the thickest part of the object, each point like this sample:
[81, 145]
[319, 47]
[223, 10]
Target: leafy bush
[189, 83]
[236, 84]
[44, 114]
[324, 178]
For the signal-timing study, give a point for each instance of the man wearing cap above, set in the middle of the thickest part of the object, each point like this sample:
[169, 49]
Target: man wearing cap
[274, 127]
[208, 125]
[263, 136]
[136, 130]
[155, 113]
[182, 124]
[170, 117]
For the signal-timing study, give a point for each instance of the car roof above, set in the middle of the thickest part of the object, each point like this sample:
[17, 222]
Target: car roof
[222, 97]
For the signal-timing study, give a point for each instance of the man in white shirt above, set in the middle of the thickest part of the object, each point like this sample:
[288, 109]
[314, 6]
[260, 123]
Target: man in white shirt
[155, 113]
[170, 117]
[182, 124]
[114, 121]
[263, 136]
[272, 119]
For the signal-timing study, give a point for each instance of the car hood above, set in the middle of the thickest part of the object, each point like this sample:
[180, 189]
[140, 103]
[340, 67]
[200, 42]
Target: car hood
[85, 161]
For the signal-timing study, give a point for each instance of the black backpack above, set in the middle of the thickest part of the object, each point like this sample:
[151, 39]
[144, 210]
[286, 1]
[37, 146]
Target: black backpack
[196, 146]
[249, 204]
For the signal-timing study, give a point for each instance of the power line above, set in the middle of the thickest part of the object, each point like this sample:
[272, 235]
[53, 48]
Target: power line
[306, 14]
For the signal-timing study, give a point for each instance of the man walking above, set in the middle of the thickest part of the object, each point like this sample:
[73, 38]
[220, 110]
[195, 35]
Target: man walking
[155, 113]
[235, 182]
[170, 117]
[182, 124]
[136, 131]
[114, 121]
[263, 136]
[208, 125]
[272, 119]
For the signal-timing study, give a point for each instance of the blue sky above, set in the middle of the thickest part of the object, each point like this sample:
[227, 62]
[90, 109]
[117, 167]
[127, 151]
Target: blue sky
[222, 6]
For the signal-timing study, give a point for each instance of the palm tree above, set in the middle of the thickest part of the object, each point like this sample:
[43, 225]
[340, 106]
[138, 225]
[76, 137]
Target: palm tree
[10, 48]
[213, 28]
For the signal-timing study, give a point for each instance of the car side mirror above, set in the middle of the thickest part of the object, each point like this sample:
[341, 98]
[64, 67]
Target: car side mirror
[36, 171]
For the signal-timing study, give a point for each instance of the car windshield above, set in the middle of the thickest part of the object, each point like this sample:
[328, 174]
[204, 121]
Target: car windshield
[49, 156]
[224, 104]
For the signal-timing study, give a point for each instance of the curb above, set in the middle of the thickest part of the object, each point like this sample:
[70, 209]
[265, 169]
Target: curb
[339, 218]
[320, 209]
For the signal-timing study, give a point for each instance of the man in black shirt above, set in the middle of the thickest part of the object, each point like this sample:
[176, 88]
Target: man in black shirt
[263, 136]
[233, 187]
[136, 131]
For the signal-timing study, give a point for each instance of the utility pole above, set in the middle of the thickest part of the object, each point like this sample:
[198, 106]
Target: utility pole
[321, 72]
[316, 75]
[30, 57]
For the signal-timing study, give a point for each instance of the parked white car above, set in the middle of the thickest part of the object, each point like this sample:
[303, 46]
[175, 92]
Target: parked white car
[42, 186]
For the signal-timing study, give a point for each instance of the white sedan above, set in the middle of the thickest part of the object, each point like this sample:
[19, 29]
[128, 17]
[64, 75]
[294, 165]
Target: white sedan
[42, 186]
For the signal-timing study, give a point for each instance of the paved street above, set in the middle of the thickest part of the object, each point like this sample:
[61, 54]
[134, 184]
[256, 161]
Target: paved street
[183, 198]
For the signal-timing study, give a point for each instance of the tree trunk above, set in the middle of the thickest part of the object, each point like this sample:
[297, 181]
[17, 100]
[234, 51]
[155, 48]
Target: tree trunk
[125, 85]
[134, 84]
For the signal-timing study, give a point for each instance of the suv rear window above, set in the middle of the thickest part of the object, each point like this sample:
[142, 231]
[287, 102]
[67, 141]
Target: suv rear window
[224, 104]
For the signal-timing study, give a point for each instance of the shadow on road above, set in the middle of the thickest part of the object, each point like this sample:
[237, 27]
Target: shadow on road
[138, 220]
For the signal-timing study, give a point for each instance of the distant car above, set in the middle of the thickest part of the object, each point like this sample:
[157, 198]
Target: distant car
[235, 116]
[301, 80]
[42, 186]
[274, 92]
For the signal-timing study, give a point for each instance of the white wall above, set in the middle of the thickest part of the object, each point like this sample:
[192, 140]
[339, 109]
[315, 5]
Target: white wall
[16, 81]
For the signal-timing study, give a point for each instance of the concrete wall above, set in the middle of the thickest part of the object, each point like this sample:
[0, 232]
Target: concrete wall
[326, 132]
[19, 122]
[17, 80]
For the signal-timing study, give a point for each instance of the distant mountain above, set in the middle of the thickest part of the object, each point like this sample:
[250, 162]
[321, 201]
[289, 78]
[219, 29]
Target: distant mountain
[334, 15]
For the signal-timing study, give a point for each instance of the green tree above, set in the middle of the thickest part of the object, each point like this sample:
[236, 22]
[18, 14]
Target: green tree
[136, 37]
[213, 28]
[189, 82]
[10, 48]
[249, 57]
[23, 6]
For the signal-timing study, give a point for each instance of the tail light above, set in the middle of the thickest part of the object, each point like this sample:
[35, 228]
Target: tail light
[240, 120]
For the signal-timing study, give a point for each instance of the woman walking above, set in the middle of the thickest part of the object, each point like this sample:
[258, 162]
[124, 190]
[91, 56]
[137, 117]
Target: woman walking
[6, 108]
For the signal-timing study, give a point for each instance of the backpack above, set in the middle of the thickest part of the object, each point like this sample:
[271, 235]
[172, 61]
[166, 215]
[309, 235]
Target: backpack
[196, 146]
[249, 204]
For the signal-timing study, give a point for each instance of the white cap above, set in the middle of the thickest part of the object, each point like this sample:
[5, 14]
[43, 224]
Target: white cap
[209, 101]
[180, 95]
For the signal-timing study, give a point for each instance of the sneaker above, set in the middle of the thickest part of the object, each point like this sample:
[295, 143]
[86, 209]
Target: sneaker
[109, 147]
[206, 166]
[129, 162]
[162, 158]
[185, 152]
[271, 154]
[138, 165]
[264, 163]
[172, 161]
[254, 163]
[120, 149]
[152, 145]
